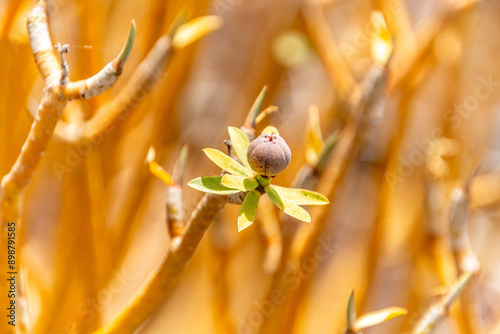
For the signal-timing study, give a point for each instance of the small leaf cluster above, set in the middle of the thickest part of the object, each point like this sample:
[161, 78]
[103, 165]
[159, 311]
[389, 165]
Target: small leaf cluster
[242, 178]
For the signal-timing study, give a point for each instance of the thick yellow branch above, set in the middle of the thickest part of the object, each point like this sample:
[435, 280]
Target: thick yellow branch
[162, 281]
[329, 183]
[15, 182]
[335, 63]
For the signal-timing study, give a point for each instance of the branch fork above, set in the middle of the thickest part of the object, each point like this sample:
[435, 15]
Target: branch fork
[57, 93]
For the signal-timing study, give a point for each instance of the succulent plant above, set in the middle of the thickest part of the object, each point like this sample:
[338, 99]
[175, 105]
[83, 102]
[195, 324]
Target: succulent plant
[261, 159]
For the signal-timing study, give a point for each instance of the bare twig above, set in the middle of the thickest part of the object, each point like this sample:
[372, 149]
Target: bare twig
[414, 60]
[175, 216]
[142, 81]
[328, 184]
[336, 66]
[223, 240]
[438, 310]
[51, 106]
[437, 230]
[162, 281]
[139, 85]
[371, 90]
[268, 226]
[465, 259]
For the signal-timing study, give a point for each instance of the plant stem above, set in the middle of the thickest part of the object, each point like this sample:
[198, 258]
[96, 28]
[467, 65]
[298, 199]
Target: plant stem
[162, 281]
[55, 97]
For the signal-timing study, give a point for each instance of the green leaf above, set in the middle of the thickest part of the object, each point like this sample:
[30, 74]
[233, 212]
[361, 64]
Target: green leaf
[211, 184]
[288, 207]
[270, 130]
[248, 210]
[326, 152]
[226, 163]
[120, 60]
[239, 182]
[263, 180]
[180, 165]
[256, 108]
[351, 313]
[380, 316]
[240, 144]
[301, 196]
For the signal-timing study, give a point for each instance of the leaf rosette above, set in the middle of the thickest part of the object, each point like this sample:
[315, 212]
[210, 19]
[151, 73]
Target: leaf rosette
[240, 177]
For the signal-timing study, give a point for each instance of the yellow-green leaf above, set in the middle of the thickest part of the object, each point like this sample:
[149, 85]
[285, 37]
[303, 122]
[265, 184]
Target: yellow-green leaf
[240, 144]
[326, 152]
[380, 316]
[266, 112]
[226, 163]
[159, 172]
[301, 196]
[156, 169]
[263, 180]
[351, 313]
[180, 165]
[195, 29]
[248, 210]
[256, 108]
[288, 207]
[270, 130]
[314, 138]
[239, 182]
[211, 184]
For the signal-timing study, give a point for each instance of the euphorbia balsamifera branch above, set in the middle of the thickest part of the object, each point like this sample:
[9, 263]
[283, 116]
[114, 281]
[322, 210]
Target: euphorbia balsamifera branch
[173, 198]
[262, 159]
[143, 79]
[54, 100]
[57, 93]
[105, 78]
[162, 281]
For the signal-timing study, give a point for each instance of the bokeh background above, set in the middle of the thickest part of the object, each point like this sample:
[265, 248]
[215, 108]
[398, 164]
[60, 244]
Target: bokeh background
[93, 233]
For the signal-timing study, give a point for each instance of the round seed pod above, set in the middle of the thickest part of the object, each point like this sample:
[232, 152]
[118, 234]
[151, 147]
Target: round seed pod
[269, 154]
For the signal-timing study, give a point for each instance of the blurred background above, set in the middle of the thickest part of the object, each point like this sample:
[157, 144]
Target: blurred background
[94, 230]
